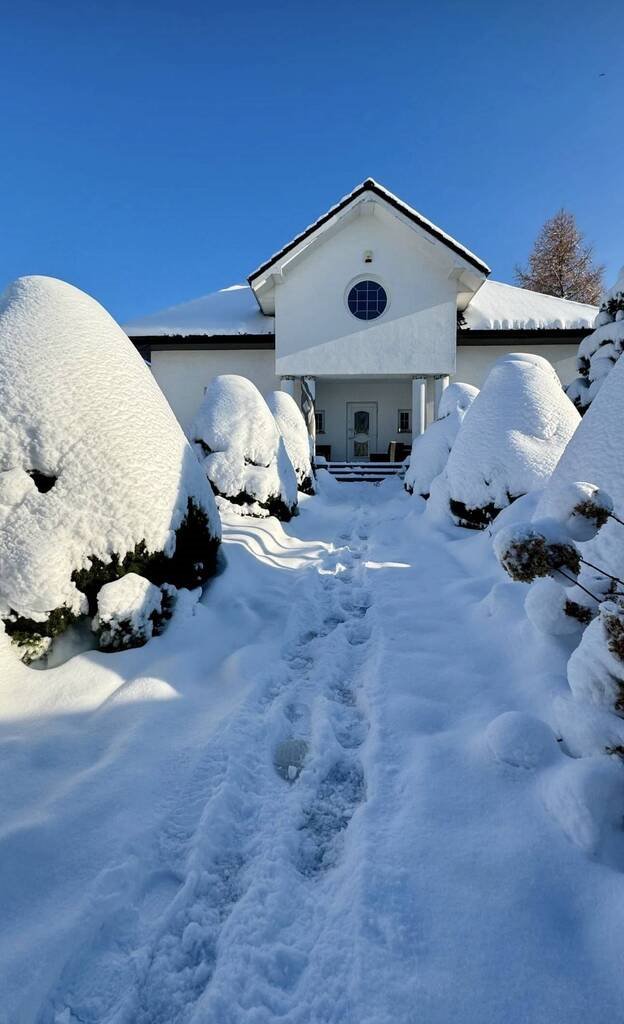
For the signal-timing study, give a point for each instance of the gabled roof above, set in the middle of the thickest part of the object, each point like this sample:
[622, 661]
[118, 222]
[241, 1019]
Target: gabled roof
[370, 185]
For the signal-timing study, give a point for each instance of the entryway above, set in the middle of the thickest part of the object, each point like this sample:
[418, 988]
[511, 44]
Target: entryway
[361, 430]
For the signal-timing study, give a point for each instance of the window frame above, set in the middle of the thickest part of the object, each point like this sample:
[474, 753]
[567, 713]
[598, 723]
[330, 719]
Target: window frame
[319, 413]
[408, 413]
[359, 280]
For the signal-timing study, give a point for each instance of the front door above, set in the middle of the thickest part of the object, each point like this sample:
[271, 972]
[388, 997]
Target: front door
[361, 430]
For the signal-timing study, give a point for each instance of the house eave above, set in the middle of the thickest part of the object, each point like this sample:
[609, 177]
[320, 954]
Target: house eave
[534, 335]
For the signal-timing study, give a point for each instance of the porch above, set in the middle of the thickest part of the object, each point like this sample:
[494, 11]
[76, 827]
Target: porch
[366, 420]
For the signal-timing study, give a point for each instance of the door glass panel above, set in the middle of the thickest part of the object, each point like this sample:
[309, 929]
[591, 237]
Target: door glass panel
[360, 449]
[361, 422]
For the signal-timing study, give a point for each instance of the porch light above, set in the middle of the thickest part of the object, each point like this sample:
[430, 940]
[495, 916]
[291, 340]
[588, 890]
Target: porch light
[368, 256]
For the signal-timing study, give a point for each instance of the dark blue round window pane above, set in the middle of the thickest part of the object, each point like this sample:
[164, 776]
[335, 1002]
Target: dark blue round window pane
[367, 300]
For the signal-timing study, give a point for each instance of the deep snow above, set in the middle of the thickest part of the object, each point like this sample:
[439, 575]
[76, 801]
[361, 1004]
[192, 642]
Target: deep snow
[333, 791]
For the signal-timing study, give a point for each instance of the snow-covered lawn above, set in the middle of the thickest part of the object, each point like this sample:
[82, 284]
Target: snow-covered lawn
[300, 804]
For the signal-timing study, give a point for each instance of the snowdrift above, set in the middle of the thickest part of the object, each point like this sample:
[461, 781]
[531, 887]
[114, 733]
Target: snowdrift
[242, 451]
[292, 427]
[96, 477]
[510, 439]
[430, 451]
[599, 352]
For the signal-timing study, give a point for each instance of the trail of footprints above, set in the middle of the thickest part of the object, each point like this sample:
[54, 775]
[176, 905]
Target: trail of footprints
[151, 962]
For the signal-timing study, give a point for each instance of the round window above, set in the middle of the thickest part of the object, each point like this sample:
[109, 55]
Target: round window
[367, 300]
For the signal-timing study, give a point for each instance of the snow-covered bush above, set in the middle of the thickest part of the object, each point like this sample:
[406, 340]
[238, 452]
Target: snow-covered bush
[292, 427]
[527, 551]
[510, 439]
[96, 477]
[241, 449]
[551, 609]
[596, 667]
[430, 451]
[599, 351]
[130, 611]
[595, 453]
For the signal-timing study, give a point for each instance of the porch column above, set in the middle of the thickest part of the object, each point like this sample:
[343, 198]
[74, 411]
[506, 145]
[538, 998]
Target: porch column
[440, 385]
[419, 405]
[308, 397]
[287, 384]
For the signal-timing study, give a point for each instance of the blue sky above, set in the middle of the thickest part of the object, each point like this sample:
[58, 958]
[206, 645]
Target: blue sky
[153, 152]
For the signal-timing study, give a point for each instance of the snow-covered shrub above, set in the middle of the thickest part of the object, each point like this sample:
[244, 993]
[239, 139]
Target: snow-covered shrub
[527, 551]
[96, 477]
[582, 509]
[551, 609]
[599, 351]
[596, 667]
[292, 427]
[430, 450]
[595, 453]
[510, 439]
[130, 611]
[241, 449]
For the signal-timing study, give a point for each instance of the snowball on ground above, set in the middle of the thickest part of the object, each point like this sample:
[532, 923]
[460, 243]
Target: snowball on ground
[595, 669]
[430, 450]
[242, 451]
[511, 438]
[82, 417]
[599, 351]
[127, 611]
[521, 740]
[595, 454]
[584, 796]
[292, 427]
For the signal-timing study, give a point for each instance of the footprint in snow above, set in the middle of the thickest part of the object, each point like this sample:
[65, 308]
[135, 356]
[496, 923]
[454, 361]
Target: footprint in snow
[328, 815]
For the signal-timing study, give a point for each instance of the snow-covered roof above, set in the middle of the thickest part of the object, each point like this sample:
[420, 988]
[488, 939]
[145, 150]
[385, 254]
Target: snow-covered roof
[504, 307]
[232, 310]
[370, 185]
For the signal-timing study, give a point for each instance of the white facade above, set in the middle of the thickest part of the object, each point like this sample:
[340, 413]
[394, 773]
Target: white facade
[375, 380]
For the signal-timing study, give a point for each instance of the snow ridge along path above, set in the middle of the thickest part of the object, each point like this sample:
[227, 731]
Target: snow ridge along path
[232, 908]
[338, 820]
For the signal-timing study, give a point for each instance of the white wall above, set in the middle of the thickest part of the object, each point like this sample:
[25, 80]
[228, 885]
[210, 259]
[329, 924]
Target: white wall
[183, 375]
[317, 334]
[475, 361]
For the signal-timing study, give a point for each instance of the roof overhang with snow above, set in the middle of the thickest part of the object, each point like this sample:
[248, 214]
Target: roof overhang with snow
[368, 199]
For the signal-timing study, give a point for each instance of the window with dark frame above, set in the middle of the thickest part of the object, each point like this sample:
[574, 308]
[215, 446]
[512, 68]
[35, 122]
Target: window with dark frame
[319, 416]
[405, 421]
[367, 300]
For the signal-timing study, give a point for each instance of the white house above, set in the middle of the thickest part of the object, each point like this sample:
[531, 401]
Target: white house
[364, 317]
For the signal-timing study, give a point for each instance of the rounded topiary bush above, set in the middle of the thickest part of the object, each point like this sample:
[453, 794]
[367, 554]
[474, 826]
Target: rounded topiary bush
[292, 427]
[96, 476]
[242, 451]
[430, 451]
[510, 439]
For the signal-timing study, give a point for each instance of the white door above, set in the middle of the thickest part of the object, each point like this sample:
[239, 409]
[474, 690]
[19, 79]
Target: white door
[361, 430]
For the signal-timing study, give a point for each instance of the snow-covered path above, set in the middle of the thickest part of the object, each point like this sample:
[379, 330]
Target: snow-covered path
[311, 826]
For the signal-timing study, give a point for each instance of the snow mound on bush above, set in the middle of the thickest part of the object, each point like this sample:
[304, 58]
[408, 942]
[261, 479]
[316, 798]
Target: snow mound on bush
[595, 454]
[584, 796]
[521, 740]
[241, 449]
[93, 466]
[599, 352]
[292, 427]
[430, 450]
[129, 612]
[510, 439]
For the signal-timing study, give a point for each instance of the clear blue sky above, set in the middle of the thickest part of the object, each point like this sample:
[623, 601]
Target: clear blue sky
[153, 152]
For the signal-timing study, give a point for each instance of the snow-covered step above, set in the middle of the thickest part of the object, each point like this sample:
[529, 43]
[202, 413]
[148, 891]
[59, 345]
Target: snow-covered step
[372, 472]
